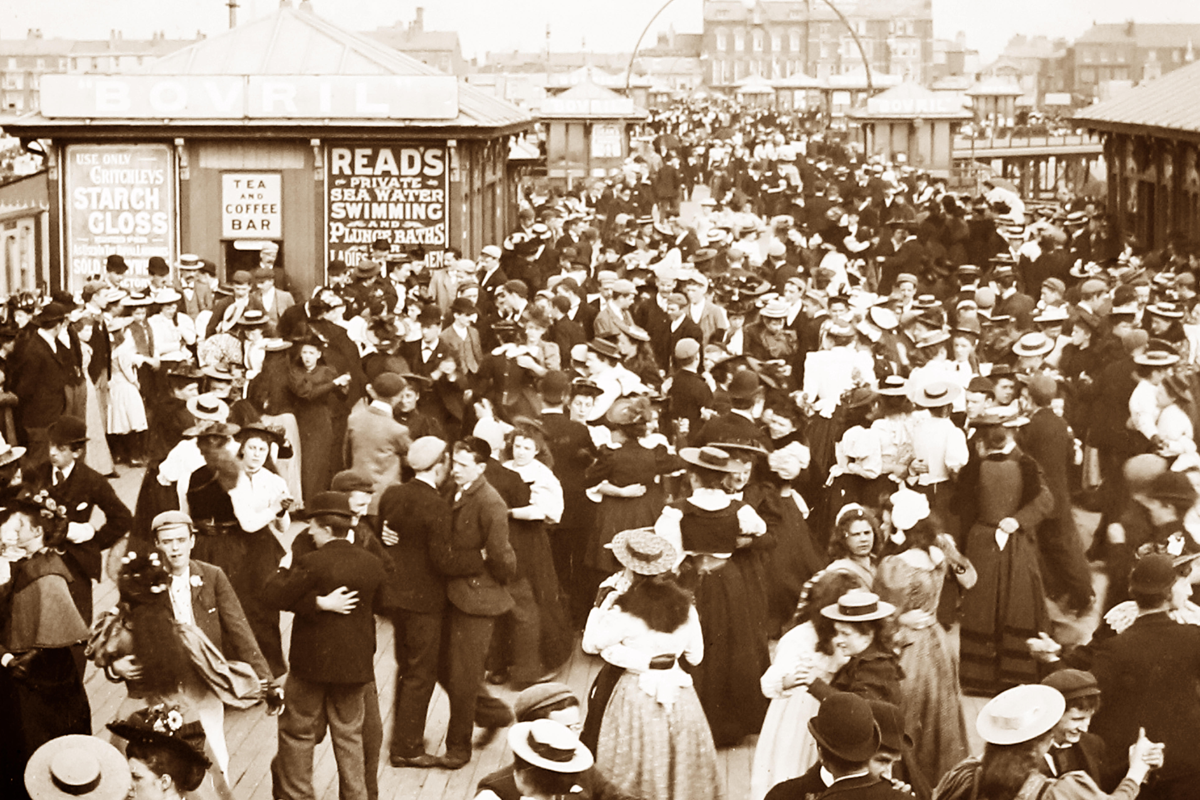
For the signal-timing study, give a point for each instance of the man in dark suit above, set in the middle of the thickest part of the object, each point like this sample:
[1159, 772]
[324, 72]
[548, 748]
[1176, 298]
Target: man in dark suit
[228, 312]
[1049, 441]
[737, 424]
[201, 595]
[847, 738]
[414, 523]
[42, 371]
[80, 489]
[333, 592]
[1147, 676]
[689, 394]
[573, 451]
[479, 561]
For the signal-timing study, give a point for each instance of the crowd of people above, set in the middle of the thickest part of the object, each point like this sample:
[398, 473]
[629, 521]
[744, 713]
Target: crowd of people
[791, 438]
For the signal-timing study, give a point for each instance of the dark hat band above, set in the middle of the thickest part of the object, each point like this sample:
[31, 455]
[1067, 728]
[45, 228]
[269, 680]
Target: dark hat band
[642, 555]
[858, 611]
[76, 789]
[712, 458]
[548, 751]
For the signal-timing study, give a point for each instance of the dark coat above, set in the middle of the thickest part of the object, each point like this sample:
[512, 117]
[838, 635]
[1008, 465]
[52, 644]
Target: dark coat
[1035, 504]
[1086, 755]
[218, 613]
[730, 427]
[479, 558]
[327, 647]
[1148, 676]
[808, 786]
[688, 396]
[39, 376]
[83, 490]
[421, 517]
[1048, 440]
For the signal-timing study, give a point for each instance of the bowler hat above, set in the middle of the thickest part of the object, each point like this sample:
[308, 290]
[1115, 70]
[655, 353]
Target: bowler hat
[387, 385]
[890, 720]
[1153, 574]
[329, 504]
[605, 347]
[744, 385]
[845, 726]
[349, 480]
[67, 430]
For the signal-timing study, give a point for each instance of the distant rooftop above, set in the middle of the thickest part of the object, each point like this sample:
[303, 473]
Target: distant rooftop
[1144, 34]
[1166, 105]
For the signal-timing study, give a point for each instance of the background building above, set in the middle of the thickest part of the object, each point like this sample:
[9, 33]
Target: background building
[777, 39]
[438, 49]
[1112, 57]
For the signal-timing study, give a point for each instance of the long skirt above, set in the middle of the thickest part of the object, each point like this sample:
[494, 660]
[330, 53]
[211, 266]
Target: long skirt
[1006, 607]
[732, 605]
[289, 468]
[97, 456]
[658, 752]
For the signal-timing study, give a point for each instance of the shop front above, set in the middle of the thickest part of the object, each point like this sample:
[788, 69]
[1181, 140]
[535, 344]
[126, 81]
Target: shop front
[243, 150]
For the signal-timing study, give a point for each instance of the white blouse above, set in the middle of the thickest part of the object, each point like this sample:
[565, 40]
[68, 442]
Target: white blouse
[545, 491]
[257, 500]
[625, 640]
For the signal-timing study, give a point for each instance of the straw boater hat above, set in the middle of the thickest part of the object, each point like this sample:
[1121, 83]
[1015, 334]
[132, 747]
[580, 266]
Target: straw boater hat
[1020, 714]
[708, 458]
[1156, 358]
[549, 745]
[208, 407]
[8, 453]
[893, 386]
[76, 767]
[1033, 344]
[858, 605]
[935, 394]
[643, 551]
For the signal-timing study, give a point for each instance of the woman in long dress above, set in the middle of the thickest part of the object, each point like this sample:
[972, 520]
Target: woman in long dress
[313, 386]
[625, 484]
[1001, 499]
[545, 644]
[912, 580]
[41, 688]
[718, 534]
[654, 740]
[785, 748]
[126, 409]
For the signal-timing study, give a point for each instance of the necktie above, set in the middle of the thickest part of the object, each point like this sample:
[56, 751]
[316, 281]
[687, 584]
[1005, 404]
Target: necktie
[58, 476]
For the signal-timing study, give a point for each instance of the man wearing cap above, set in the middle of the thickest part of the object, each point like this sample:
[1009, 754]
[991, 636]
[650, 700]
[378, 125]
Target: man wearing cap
[740, 422]
[614, 320]
[689, 396]
[1074, 747]
[375, 442]
[368, 287]
[333, 592]
[201, 595]
[228, 312]
[479, 563]
[847, 738]
[193, 285]
[274, 301]
[43, 371]
[415, 524]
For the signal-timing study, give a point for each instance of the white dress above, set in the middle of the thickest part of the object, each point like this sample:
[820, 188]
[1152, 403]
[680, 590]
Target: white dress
[785, 747]
[126, 411]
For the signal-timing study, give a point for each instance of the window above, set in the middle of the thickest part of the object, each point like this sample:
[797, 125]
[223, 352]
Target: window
[722, 14]
[757, 35]
[74, 64]
[739, 41]
[794, 41]
[1087, 75]
[41, 63]
[776, 42]
[722, 40]
[12, 63]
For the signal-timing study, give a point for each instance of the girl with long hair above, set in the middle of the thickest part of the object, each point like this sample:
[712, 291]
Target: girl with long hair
[161, 660]
[654, 739]
[856, 543]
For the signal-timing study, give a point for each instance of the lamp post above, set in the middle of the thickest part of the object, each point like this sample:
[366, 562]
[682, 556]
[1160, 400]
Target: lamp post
[862, 52]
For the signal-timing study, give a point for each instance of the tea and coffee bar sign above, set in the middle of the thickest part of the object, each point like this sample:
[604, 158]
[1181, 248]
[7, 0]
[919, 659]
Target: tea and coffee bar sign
[224, 97]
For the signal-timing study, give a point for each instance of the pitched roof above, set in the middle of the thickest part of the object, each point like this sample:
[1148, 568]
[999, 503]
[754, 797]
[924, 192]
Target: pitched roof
[911, 101]
[587, 100]
[1167, 104]
[1144, 34]
[291, 42]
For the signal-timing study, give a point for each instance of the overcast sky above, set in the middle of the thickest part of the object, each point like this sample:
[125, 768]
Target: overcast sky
[605, 25]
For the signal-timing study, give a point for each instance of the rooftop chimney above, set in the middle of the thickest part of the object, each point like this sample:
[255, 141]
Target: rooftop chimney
[418, 23]
[1130, 28]
[306, 6]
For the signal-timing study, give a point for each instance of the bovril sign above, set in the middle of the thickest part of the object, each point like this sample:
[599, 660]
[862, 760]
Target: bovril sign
[223, 97]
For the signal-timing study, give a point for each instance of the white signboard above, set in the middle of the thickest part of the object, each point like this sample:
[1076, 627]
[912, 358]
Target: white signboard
[606, 141]
[251, 205]
[222, 97]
